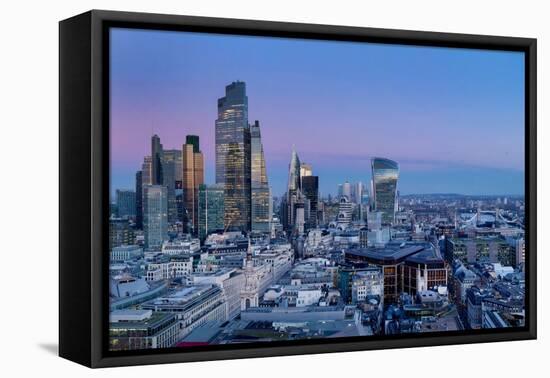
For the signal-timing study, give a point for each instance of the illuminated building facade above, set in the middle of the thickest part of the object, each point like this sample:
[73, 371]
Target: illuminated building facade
[192, 178]
[171, 172]
[210, 209]
[261, 207]
[233, 168]
[155, 215]
[385, 174]
[295, 201]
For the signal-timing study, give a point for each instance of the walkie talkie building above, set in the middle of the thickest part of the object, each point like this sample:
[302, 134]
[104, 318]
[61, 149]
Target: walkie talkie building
[385, 174]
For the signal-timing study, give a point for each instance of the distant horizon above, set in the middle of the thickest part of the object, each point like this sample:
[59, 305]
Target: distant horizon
[340, 103]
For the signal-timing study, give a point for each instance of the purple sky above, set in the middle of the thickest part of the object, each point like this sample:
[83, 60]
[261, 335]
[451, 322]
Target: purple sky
[452, 118]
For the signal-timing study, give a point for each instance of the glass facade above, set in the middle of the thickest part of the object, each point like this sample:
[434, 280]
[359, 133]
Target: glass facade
[385, 174]
[233, 168]
[210, 209]
[156, 156]
[310, 188]
[295, 200]
[294, 177]
[261, 206]
[126, 203]
[155, 215]
[139, 200]
[171, 168]
[192, 178]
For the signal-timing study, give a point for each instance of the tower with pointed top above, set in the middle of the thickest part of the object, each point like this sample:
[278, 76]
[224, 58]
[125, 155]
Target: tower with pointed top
[295, 201]
[249, 293]
[261, 206]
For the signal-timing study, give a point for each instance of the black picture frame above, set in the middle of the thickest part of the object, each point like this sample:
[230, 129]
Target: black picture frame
[84, 184]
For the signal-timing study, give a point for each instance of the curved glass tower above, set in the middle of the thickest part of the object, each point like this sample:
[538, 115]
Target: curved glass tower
[385, 174]
[261, 194]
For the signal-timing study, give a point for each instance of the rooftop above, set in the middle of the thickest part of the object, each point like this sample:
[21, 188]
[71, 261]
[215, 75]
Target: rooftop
[394, 253]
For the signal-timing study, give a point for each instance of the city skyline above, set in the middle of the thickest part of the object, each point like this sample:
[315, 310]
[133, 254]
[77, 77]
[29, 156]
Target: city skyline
[202, 253]
[433, 165]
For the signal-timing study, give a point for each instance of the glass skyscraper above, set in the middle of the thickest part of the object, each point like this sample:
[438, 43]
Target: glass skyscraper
[192, 177]
[155, 215]
[295, 200]
[385, 174]
[126, 203]
[139, 200]
[233, 169]
[156, 160]
[262, 207]
[171, 172]
[294, 177]
[310, 188]
[210, 209]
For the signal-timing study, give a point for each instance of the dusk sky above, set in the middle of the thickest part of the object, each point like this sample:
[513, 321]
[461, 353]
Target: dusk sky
[452, 118]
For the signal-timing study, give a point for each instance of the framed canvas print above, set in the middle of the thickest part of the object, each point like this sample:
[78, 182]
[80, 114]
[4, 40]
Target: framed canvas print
[234, 188]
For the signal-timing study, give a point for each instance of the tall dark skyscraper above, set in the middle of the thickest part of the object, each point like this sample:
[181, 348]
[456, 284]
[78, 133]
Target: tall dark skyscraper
[194, 141]
[310, 188]
[156, 161]
[262, 203]
[385, 174]
[233, 167]
[139, 200]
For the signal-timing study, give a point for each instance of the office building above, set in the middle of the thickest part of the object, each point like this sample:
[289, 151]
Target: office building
[139, 200]
[171, 173]
[262, 203]
[210, 209]
[294, 201]
[120, 232]
[155, 215]
[233, 168]
[156, 161]
[490, 249]
[385, 174]
[345, 211]
[346, 190]
[142, 329]
[193, 306]
[192, 178]
[305, 170]
[126, 203]
[406, 267]
[310, 189]
[126, 252]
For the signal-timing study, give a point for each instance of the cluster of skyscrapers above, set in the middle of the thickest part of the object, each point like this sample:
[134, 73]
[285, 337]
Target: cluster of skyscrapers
[170, 191]
[196, 264]
[171, 194]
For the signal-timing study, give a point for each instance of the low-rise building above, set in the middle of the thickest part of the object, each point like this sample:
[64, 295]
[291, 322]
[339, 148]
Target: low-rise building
[231, 281]
[366, 283]
[173, 267]
[181, 247]
[142, 329]
[192, 305]
[126, 252]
